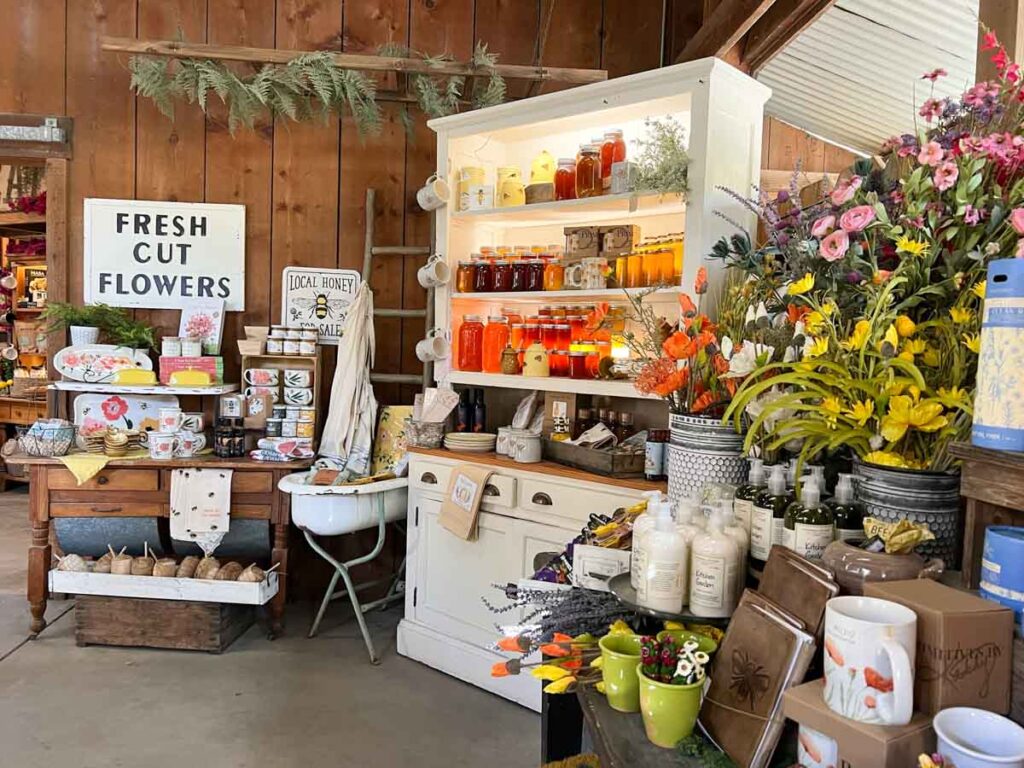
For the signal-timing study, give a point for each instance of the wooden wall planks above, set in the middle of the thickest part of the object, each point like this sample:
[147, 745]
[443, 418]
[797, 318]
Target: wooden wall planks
[23, 69]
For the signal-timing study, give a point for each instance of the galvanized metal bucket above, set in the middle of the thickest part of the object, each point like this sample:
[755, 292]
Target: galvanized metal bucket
[933, 498]
[702, 450]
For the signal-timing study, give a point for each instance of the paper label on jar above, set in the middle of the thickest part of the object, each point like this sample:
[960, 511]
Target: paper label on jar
[743, 509]
[778, 533]
[660, 580]
[811, 540]
[654, 459]
[789, 538]
[708, 587]
[760, 532]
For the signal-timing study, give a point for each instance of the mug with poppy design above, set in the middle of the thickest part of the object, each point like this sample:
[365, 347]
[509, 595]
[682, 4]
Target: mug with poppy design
[869, 659]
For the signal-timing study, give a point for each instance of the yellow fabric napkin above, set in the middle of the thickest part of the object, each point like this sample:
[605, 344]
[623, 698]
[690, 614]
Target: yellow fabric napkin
[84, 466]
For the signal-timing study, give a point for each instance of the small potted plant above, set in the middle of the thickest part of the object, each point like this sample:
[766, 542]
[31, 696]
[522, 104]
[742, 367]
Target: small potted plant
[672, 681]
[83, 322]
[120, 329]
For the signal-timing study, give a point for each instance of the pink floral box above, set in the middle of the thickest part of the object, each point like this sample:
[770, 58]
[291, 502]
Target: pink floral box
[211, 365]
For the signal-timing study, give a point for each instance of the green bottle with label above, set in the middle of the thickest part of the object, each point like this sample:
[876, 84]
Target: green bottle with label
[746, 494]
[767, 516]
[809, 524]
[848, 514]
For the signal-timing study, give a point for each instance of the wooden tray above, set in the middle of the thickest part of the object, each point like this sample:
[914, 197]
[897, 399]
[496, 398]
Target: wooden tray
[606, 463]
[170, 588]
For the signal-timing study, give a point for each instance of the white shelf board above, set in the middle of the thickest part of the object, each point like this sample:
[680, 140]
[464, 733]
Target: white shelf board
[164, 588]
[549, 384]
[146, 389]
[580, 211]
[534, 297]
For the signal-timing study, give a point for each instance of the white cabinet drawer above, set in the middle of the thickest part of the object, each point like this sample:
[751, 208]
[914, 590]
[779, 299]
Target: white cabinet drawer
[546, 496]
[432, 477]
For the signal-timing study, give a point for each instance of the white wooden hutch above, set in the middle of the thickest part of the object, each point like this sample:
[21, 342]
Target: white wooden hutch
[530, 510]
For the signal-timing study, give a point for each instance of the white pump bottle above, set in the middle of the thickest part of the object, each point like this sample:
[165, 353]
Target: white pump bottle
[662, 585]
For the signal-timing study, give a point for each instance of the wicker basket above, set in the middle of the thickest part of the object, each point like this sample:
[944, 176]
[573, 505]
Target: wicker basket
[424, 434]
[44, 440]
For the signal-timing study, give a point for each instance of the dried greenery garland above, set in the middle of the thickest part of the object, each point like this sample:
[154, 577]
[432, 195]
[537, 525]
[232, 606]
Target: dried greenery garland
[308, 86]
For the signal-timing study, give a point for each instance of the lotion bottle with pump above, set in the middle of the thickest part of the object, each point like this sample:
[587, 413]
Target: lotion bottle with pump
[714, 568]
[767, 522]
[643, 523]
[689, 518]
[663, 581]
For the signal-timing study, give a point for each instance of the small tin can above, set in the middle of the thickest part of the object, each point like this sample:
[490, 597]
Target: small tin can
[277, 332]
[293, 412]
[274, 427]
[232, 406]
[293, 333]
[303, 428]
[170, 346]
[191, 347]
[289, 428]
[307, 413]
[309, 334]
[279, 412]
[291, 346]
[307, 347]
[275, 346]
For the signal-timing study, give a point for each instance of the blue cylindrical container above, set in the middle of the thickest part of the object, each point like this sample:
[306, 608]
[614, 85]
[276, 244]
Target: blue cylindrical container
[1002, 567]
[999, 400]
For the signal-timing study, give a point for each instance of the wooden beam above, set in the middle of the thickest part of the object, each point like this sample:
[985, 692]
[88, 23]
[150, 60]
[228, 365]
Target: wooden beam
[1006, 19]
[726, 26]
[368, 63]
[777, 28]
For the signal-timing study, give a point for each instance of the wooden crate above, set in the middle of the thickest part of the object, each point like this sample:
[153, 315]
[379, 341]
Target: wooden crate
[606, 463]
[177, 624]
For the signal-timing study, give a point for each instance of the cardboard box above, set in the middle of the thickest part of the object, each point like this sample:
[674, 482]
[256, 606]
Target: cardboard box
[964, 645]
[592, 567]
[582, 242]
[558, 405]
[619, 239]
[212, 364]
[859, 745]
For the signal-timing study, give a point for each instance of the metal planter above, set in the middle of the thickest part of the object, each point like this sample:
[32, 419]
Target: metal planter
[702, 451]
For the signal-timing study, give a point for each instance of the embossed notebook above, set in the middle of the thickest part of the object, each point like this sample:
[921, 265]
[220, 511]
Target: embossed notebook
[798, 585]
[766, 650]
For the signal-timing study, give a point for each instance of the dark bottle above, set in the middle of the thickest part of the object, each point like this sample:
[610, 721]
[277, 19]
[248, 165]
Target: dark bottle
[602, 416]
[768, 516]
[584, 421]
[746, 495]
[464, 416]
[654, 454]
[479, 411]
[848, 514]
[809, 526]
[624, 429]
[613, 421]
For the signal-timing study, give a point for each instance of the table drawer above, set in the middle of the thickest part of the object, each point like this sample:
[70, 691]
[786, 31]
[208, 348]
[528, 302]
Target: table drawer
[251, 511]
[106, 480]
[26, 414]
[543, 495]
[106, 509]
[5, 411]
[500, 490]
[252, 482]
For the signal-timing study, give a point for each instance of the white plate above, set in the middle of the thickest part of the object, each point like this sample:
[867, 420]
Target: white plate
[463, 449]
[95, 411]
[471, 445]
[99, 363]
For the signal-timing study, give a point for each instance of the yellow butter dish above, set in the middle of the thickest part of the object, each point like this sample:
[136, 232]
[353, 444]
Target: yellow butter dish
[191, 378]
[135, 376]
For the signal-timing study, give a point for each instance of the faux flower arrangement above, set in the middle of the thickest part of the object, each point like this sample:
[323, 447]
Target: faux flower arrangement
[671, 662]
[886, 273]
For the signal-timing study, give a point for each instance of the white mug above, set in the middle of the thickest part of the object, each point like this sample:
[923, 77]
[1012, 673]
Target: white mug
[588, 274]
[435, 347]
[9, 282]
[524, 447]
[264, 377]
[435, 272]
[170, 419]
[162, 445]
[975, 738]
[10, 352]
[433, 194]
[815, 749]
[869, 659]
[298, 395]
[192, 422]
[189, 444]
[298, 378]
[274, 392]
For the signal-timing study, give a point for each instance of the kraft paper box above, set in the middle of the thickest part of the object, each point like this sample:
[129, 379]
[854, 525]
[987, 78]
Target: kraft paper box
[592, 567]
[558, 405]
[619, 239]
[964, 645]
[859, 745]
[582, 242]
[211, 364]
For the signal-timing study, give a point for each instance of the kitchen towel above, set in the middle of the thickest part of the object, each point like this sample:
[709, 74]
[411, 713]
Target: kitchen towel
[85, 466]
[200, 506]
[461, 506]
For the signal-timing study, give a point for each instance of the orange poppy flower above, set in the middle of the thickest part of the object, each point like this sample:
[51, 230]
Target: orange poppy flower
[673, 383]
[510, 644]
[704, 339]
[499, 670]
[795, 312]
[720, 364]
[700, 285]
[875, 680]
[833, 651]
[572, 664]
[554, 649]
[703, 401]
[679, 346]
[870, 702]
[686, 305]
[597, 316]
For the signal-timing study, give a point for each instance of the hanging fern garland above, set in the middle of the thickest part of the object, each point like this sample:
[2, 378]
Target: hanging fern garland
[309, 85]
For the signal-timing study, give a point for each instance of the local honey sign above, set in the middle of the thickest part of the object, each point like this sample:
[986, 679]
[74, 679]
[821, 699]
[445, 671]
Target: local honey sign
[154, 255]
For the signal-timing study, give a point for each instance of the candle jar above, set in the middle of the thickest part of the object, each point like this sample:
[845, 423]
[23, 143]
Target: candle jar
[520, 275]
[554, 276]
[191, 347]
[635, 271]
[535, 275]
[483, 278]
[273, 427]
[501, 279]
[471, 344]
[559, 363]
[170, 346]
[464, 276]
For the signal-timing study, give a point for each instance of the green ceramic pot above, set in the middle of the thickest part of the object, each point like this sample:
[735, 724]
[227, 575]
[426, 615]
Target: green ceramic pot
[619, 656]
[669, 711]
[708, 645]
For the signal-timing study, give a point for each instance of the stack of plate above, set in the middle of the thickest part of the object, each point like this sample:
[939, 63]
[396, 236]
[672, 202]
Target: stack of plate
[470, 442]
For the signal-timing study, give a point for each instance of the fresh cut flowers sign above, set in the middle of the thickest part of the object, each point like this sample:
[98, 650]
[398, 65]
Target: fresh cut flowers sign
[157, 255]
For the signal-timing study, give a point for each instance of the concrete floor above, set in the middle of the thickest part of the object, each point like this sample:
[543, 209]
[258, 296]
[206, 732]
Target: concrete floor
[291, 702]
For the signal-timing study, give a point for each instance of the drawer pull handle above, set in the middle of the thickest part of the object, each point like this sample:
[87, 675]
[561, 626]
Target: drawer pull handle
[491, 490]
[105, 510]
[102, 480]
[542, 500]
[428, 478]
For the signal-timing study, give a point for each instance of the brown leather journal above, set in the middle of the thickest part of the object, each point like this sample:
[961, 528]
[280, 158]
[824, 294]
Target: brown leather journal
[799, 586]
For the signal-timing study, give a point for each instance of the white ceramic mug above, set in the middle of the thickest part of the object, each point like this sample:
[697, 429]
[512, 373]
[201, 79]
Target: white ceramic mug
[298, 378]
[193, 422]
[170, 419]
[869, 659]
[162, 445]
[298, 395]
[975, 738]
[9, 282]
[435, 272]
[433, 194]
[435, 347]
[263, 377]
[524, 447]
[588, 274]
[189, 444]
[815, 749]
[274, 392]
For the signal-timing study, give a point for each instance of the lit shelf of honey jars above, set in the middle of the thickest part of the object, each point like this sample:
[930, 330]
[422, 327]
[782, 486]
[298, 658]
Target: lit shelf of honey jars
[607, 294]
[580, 211]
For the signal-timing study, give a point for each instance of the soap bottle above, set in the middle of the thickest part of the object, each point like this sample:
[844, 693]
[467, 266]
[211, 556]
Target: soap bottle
[818, 472]
[690, 518]
[662, 585]
[643, 523]
[766, 522]
[848, 514]
[743, 504]
[809, 526]
[714, 568]
[741, 537]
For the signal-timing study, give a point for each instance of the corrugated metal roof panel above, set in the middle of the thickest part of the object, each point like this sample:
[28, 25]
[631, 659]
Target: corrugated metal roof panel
[854, 76]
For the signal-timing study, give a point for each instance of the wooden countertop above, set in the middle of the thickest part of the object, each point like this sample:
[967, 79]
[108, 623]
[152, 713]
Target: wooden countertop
[543, 468]
[146, 462]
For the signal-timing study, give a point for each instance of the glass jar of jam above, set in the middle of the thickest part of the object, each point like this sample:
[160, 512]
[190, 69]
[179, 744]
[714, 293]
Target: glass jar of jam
[549, 337]
[565, 179]
[496, 336]
[578, 366]
[520, 275]
[613, 150]
[464, 276]
[535, 275]
[578, 326]
[563, 333]
[517, 336]
[554, 275]
[560, 311]
[483, 279]
[471, 344]
[593, 364]
[588, 172]
[501, 279]
[512, 314]
[559, 362]
[545, 311]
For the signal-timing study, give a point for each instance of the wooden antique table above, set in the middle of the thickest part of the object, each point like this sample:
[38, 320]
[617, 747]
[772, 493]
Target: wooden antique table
[141, 488]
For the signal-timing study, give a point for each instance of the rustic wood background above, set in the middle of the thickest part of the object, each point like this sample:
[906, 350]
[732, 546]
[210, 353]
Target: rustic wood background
[303, 185]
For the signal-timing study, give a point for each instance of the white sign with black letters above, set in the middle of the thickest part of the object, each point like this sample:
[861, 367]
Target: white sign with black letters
[318, 298]
[155, 255]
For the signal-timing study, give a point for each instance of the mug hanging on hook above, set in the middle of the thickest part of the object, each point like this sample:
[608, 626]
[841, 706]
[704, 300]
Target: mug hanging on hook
[433, 194]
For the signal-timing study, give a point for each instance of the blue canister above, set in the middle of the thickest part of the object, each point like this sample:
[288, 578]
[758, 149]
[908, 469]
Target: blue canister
[1002, 567]
[999, 399]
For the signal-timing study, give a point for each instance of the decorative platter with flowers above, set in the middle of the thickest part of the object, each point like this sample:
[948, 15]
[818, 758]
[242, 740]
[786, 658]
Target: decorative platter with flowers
[96, 412]
[99, 363]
